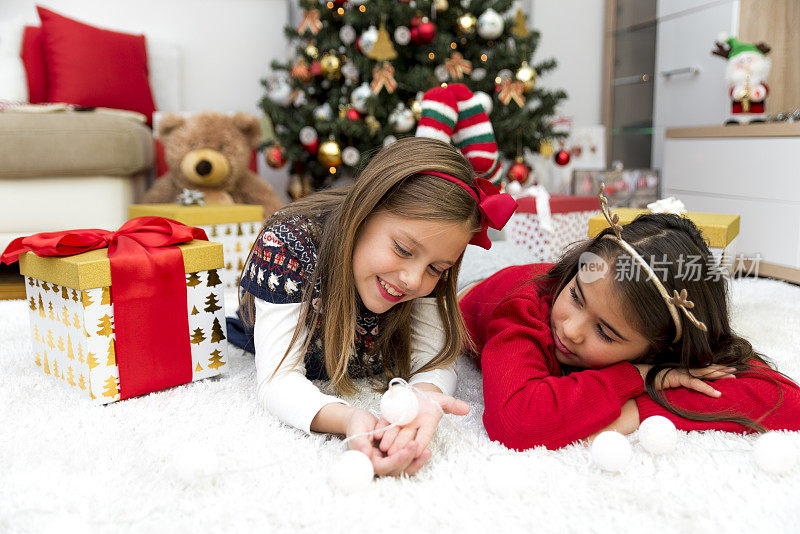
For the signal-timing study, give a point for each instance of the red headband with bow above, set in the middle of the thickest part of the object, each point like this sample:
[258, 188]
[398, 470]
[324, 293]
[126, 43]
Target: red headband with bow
[496, 207]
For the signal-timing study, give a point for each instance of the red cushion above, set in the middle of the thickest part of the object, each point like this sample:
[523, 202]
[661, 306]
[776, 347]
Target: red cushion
[88, 66]
[33, 58]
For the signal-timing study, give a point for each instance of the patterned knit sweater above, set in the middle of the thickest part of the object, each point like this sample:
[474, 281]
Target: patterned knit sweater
[280, 270]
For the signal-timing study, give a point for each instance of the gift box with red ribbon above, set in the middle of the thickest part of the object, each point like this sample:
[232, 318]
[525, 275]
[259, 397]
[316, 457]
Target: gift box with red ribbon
[120, 314]
[547, 224]
[236, 226]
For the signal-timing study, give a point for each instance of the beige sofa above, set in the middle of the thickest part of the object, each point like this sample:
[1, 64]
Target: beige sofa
[69, 169]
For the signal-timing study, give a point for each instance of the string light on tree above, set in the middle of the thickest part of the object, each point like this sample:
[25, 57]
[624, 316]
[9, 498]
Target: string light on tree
[466, 24]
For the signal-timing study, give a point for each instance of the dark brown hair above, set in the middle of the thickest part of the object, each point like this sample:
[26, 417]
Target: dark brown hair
[675, 245]
[394, 181]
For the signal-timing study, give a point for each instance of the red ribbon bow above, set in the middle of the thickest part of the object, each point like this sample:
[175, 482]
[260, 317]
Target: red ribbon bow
[151, 322]
[496, 207]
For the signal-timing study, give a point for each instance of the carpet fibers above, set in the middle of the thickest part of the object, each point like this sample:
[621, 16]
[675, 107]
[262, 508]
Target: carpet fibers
[69, 466]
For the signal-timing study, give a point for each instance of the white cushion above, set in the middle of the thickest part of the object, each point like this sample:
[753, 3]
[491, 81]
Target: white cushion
[13, 83]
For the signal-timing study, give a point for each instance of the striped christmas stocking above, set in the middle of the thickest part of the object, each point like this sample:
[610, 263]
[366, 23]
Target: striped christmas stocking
[454, 114]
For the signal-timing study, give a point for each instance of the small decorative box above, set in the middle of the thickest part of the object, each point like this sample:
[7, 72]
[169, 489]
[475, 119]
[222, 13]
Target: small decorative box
[235, 226]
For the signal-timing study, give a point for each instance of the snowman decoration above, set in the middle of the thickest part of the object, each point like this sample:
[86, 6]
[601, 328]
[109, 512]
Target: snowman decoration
[746, 73]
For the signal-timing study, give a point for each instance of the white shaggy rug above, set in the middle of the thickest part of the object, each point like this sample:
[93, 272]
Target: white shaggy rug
[69, 466]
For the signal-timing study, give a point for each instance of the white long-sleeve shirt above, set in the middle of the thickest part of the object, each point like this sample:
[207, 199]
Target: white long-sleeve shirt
[292, 397]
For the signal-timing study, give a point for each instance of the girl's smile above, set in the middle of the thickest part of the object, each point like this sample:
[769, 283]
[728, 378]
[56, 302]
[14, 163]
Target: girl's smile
[397, 258]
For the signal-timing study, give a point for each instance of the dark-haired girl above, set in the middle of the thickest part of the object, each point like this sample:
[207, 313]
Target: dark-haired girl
[630, 324]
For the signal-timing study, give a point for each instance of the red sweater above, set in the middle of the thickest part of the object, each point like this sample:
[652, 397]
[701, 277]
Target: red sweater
[529, 402]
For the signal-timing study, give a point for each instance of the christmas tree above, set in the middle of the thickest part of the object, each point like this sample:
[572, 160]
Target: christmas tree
[361, 67]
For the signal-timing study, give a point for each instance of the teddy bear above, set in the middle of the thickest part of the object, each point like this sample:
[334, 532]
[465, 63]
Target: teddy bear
[209, 153]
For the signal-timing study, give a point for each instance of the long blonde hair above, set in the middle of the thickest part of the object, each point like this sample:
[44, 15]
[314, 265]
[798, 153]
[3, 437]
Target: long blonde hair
[394, 181]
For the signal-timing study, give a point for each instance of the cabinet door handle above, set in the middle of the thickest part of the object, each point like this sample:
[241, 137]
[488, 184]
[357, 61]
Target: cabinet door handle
[631, 80]
[694, 70]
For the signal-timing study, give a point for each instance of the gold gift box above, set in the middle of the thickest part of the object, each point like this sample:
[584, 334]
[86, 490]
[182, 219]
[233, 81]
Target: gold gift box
[235, 226]
[718, 229]
[71, 308]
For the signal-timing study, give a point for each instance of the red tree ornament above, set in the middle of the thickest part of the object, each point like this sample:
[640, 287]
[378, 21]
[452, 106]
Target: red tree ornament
[422, 30]
[561, 157]
[275, 156]
[353, 115]
[519, 172]
[311, 147]
[316, 69]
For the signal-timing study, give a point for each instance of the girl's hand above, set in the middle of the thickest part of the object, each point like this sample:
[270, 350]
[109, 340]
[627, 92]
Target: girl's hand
[627, 423]
[405, 461]
[689, 378]
[422, 428]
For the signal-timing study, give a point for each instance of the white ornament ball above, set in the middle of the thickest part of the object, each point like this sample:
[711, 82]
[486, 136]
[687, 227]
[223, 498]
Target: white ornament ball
[611, 451]
[441, 73]
[657, 435]
[194, 462]
[359, 97]
[350, 156]
[478, 74]
[504, 74]
[347, 34]
[399, 405]
[368, 39]
[485, 100]
[402, 118]
[513, 187]
[308, 135]
[351, 472]
[300, 100]
[490, 24]
[324, 112]
[402, 35]
[388, 140]
[775, 453]
[279, 91]
[503, 476]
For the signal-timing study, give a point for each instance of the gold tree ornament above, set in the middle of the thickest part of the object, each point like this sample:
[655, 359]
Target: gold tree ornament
[383, 49]
[373, 125]
[331, 66]
[546, 148]
[519, 28]
[440, 5]
[466, 24]
[330, 153]
[311, 51]
[527, 75]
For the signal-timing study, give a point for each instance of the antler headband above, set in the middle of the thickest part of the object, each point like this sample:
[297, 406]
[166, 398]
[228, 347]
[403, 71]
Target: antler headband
[677, 300]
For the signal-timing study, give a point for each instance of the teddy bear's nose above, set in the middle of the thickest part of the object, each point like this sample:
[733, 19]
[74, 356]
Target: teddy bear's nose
[203, 168]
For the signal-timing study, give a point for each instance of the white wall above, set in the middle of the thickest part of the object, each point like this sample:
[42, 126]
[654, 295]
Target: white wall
[225, 45]
[572, 33]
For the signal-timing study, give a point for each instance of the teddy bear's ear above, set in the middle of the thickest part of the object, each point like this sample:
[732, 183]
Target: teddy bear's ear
[250, 127]
[169, 122]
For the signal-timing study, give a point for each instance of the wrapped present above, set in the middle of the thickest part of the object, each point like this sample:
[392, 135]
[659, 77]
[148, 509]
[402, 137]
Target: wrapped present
[718, 229]
[236, 226]
[546, 224]
[142, 315]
